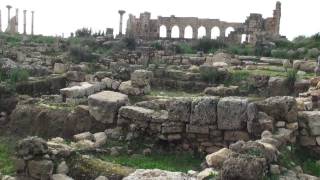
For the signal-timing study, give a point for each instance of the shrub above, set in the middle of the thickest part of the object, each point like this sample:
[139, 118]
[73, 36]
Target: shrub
[279, 53]
[207, 45]
[313, 53]
[157, 46]
[130, 43]
[291, 78]
[241, 50]
[42, 39]
[211, 74]
[18, 75]
[284, 44]
[184, 48]
[291, 54]
[79, 53]
[262, 49]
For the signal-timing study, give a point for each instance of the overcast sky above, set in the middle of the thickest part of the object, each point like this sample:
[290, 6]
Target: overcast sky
[54, 17]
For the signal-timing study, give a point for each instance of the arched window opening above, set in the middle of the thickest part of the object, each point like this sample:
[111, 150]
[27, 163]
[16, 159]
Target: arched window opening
[243, 38]
[188, 32]
[163, 31]
[175, 32]
[215, 32]
[201, 32]
[229, 30]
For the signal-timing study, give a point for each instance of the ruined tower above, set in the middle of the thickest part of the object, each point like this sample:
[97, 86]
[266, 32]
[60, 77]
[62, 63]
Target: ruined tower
[24, 22]
[277, 17]
[32, 21]
[121, 12]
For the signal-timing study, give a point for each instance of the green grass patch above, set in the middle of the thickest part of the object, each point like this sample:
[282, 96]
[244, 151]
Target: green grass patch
[170, 162]
[293, 156]
[6, 154]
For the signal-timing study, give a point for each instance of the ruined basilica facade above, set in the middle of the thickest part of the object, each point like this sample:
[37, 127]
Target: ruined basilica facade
[253, 29]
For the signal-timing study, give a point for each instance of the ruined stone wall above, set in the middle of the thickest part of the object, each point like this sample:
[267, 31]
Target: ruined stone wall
[255, 25]
[208, 123]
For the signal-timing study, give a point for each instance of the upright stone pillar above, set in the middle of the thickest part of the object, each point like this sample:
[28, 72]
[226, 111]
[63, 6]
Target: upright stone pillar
[24, 22]
[9, 7]
[194, 33]
[17, 20]
[0, 22]
[222, 33]
[32, 21]
[181, 32]
[208, 33]
[121, 12]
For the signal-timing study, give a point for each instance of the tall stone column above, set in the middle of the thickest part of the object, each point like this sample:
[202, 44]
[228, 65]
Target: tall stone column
[32, 21]
[0, 22]
[24, 22]
[17, 20]
[9, 7]
[121, 12]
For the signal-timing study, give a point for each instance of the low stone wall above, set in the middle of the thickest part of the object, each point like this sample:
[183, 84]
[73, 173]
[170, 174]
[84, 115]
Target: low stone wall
[208, 123]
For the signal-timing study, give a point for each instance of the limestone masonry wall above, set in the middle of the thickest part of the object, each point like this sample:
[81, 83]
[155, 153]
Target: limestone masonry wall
[255, 27]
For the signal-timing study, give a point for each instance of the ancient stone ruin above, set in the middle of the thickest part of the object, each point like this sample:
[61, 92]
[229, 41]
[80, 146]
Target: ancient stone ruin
[254, 28]
[94, 107]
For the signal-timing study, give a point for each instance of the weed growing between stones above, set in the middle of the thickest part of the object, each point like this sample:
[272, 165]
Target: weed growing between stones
[293, 156]
[6, 153]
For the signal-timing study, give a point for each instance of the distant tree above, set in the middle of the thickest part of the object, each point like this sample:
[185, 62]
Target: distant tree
[130, 43]
[316, 37]
[84, 32]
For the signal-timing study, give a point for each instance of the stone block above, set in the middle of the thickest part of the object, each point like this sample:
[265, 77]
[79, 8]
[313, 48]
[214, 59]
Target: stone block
[236, 135]
[307, 141]
[216, 159]
[172, 127]
[179, 110]
[76, 76]
[312, 119]
[135, 113]
[204, 111]
[141, 78]
[60, 68]
[232, 113]
[40, 169]
[104, 106]
[197, 129]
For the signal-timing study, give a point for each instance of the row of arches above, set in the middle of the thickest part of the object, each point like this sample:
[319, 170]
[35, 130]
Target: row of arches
[188, 32]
